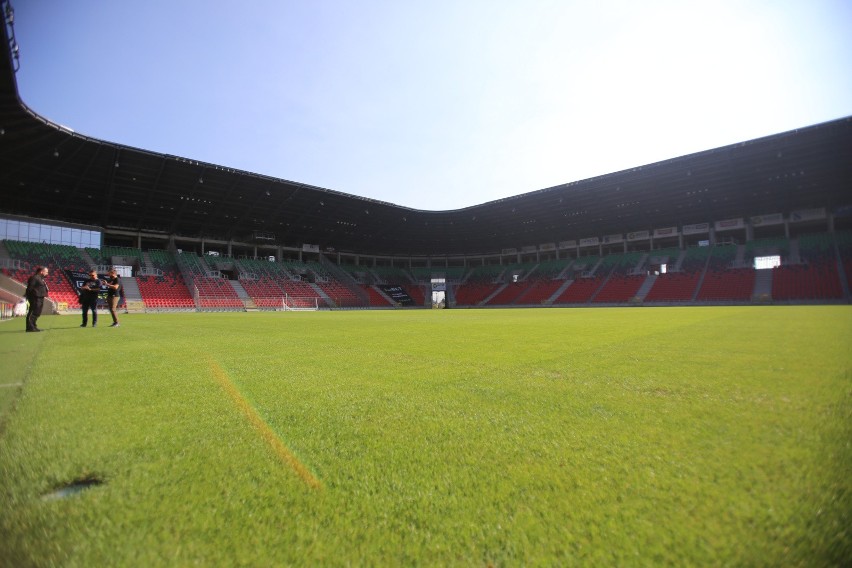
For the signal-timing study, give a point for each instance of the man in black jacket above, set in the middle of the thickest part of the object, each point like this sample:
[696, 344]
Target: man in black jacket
[36, 292]
[114, 292]
[89, 298]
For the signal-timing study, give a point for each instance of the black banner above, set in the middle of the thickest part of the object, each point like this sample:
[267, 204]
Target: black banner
[397, 294]
[77, 279]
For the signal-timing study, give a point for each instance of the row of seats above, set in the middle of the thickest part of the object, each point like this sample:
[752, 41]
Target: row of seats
[165, 292]
[674, 287]
[705, 275]
[216, 293]
[806, 282]
[731, 284]
[619, 288]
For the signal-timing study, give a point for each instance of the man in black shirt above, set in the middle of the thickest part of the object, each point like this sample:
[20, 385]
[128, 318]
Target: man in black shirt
[113, 284]
[36, 292]
[89, 298]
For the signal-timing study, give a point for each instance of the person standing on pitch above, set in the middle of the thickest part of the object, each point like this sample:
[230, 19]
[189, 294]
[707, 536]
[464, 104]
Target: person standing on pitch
[89, 298]
[113, 284]
[36, 292]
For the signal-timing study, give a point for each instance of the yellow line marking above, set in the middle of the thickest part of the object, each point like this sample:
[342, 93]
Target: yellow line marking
[268, 435]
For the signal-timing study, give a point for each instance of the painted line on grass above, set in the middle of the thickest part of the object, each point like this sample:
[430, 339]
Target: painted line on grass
[268, 435]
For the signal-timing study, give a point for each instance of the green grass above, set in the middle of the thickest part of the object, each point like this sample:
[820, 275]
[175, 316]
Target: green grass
[682, 436]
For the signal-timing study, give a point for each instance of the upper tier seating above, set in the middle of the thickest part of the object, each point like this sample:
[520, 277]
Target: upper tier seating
[619, 263]
[767, 247]
[695, 259]
[105, 255]
[551, 268]
[392, 275]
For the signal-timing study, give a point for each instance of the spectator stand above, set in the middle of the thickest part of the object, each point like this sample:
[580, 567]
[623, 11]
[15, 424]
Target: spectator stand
[161, 284]
[843, 246]
[812, 275]
[624, 277]
[57, 258]
[480, 283]
[210, 291]
[419, 291]
[679, 283]
[727, 278]
[339, 286]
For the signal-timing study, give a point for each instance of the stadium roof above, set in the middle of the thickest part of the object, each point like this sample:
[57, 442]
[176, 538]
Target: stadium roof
[50, 172]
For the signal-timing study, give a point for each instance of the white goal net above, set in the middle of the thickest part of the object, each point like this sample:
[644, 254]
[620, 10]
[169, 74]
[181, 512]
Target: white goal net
[288, 303]
[300, 303]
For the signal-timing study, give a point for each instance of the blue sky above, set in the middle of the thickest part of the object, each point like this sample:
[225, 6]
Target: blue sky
[437, 105]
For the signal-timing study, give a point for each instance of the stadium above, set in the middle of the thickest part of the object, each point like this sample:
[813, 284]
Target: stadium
[733, 233]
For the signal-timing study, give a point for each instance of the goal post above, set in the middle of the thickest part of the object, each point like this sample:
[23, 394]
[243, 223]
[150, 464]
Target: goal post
[287, 303]
[300, 303]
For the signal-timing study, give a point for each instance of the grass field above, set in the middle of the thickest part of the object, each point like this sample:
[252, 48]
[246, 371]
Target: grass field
[712, 436]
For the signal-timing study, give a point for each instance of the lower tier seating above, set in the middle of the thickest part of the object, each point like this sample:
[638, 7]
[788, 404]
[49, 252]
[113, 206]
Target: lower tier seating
[674, 287]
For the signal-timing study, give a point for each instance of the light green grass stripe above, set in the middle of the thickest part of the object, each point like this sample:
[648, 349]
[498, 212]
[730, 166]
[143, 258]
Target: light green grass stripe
[268, 435]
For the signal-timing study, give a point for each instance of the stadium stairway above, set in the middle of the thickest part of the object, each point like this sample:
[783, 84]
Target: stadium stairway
[795, 254]
[739, 260]
[487, 299]
[679, 260]
[646, 286]
[12, 286]
[131, 289]
[147, 264]
[345, 279]
[841, 269]
[565, 272]
[603, 284]
[844, 281]
[381, 293]
[762, 285]
[700, 282]
[241, 292]
[87, 258]
[132, 295]
[552, 298]
[321, 293]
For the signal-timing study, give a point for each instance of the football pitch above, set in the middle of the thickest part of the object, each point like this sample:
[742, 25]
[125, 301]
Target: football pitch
[715, 436]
